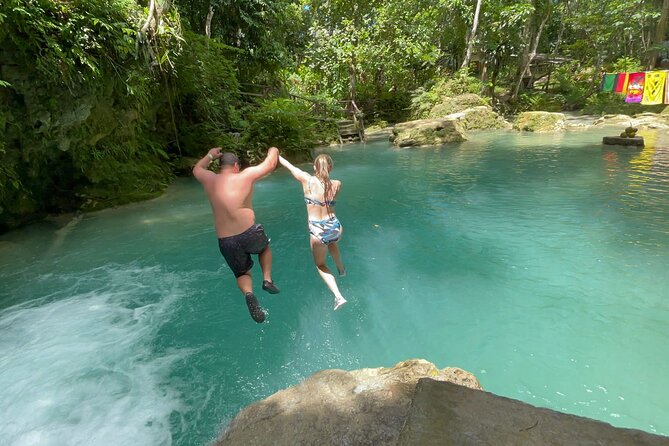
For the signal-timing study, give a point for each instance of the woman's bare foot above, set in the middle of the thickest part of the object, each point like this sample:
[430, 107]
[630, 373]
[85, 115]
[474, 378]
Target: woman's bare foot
[339, 303]
[342, 271]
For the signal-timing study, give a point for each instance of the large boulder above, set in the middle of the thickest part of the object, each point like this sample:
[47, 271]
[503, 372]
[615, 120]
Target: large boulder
[482, 117]
[412, 403]
[424, 132]
[362, 407]
[455, 104]
[539, 121]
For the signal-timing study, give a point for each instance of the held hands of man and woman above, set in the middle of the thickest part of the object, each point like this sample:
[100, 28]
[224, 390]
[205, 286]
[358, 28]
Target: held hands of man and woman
[217, 152]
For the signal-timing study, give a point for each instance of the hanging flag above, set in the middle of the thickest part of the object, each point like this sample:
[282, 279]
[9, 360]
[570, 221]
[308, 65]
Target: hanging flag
[621, 83]
[635, 87]
[608, 82]
[653, 92]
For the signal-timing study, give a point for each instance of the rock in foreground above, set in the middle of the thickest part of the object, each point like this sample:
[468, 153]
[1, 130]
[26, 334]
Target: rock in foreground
[362, 407]
[412, 403]
[443, 414]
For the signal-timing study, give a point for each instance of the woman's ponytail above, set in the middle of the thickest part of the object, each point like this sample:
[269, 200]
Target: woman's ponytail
[322, 167]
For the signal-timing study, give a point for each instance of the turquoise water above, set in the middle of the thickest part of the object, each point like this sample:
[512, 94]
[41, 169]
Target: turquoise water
[539, 263]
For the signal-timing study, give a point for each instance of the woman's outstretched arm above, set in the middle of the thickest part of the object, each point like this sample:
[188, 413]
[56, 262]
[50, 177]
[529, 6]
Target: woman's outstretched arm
[299, 174]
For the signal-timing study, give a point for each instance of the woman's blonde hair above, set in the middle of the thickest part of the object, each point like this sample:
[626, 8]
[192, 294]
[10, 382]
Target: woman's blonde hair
[322, 168]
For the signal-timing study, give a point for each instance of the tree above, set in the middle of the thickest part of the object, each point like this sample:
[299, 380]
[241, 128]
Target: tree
[530, 40]
[472, 36]
[660, 32]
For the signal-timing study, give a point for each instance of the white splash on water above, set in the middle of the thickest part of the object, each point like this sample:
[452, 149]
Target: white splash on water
[77, 366]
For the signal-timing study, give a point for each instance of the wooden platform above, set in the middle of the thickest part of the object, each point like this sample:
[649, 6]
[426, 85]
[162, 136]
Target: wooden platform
[618, 141]
[349, 129]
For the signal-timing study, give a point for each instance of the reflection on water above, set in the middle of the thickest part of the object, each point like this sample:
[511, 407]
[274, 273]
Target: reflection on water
[538, 262]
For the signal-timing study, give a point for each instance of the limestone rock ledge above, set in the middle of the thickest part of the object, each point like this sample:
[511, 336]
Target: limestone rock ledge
[643, 121]
[428, 132]
[412, 403]
[361, 407]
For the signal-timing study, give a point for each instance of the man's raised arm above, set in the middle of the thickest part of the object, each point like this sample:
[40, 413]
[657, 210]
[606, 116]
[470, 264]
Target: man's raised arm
[266, 167]
[200, 170]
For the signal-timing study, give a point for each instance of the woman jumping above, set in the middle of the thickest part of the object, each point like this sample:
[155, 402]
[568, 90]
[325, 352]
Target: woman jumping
[320, 193]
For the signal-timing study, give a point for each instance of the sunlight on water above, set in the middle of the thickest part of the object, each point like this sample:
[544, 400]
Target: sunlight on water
[537, 262]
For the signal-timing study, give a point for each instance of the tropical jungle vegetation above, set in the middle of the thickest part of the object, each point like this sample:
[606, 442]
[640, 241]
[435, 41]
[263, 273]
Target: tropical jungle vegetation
[102, 102]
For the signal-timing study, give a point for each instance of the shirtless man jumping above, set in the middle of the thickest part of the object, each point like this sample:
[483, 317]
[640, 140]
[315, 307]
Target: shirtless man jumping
[230, 193]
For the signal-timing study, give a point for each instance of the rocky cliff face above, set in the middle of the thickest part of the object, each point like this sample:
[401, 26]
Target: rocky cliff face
[412, 403]
[362, 407]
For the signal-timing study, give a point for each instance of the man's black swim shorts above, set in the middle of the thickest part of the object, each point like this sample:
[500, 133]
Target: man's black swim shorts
[237, 249]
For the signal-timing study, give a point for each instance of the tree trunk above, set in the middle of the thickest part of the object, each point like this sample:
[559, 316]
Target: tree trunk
[520, 70]
[484, 70]
[660, 31]
[565, 17]
[156, 11]
[528, 56]
[207, 24]
[352, 78]
[495, 73]
[149, 17]
[472, 36]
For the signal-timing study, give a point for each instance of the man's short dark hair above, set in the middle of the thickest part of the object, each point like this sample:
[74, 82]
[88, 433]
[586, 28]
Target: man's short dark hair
[228, 159]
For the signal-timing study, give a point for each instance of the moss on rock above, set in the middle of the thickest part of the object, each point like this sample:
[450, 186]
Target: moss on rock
[540, 122]
[426, 132]
[455, 104]
[481, 118]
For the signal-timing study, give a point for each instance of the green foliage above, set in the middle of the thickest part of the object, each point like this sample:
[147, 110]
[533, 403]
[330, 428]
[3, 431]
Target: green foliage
[455, 104]
[377, 125]
[372, 52]
[206, 95]
[612, 104]
[602, 31]
[9, 180]
[74, 40]
[574, 85]
[626, 65]
[80, 109]
[263, 31]
[282, 123]
[422, 101]
[120, 174]
[391, 106]
[425, 99]
[460, 82]
[541, 101]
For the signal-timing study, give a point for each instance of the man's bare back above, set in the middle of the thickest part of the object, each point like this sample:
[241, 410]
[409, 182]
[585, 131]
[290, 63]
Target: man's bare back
[230, 194]
[231, 199]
